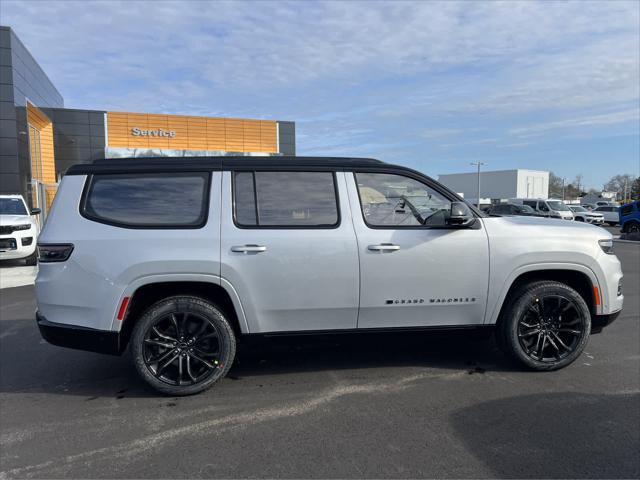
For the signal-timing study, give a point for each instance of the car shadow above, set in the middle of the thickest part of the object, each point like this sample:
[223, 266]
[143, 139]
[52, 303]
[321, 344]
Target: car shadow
[554, 435]
[29, 364]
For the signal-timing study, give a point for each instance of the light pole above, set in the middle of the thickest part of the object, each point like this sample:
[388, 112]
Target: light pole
[563, 189]
[478, 164]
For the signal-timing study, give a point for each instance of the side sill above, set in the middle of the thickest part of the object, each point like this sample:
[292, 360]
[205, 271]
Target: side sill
[485, 329]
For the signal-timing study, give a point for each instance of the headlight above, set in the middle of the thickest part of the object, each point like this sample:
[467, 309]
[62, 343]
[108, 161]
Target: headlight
[21, 227]
[606, 246]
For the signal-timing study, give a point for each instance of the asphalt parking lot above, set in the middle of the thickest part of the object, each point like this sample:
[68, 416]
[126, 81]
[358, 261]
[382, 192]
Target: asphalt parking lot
[402, 405]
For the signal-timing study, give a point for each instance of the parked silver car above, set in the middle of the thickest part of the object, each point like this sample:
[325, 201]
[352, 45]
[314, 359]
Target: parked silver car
[176, 259]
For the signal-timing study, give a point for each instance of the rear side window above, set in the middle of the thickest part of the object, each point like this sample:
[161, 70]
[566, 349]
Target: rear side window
[176, 200]
[627, 209]
[285, 199]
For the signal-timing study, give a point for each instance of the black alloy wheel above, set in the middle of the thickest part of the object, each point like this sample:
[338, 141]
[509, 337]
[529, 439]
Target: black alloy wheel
[183, 345]
[551, 328]
[545, 325]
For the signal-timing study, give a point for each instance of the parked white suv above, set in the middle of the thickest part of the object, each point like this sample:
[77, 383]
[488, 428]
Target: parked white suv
[176, 259]
[18, 230]
[581, 214]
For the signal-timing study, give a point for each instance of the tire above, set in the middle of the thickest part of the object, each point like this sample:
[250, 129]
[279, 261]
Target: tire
[632, 227]
[612, 224]
[523, 334]
[32, 259]
[579, 219]
[182, 345]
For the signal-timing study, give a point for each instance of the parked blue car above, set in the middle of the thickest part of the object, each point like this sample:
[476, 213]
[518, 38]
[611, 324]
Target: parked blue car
[630, 217]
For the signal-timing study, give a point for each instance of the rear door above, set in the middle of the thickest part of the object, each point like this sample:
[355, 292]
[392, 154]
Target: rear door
[289, 249]
[414, 270]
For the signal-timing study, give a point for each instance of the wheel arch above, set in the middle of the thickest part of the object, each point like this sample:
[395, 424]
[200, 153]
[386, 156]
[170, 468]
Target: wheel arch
[580, 278]
[146, 291]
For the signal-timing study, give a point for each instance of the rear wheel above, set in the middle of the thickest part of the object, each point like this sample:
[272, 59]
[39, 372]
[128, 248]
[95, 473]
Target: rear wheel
[579, 219]
[546, 327]
[183, 345]
[612, 224]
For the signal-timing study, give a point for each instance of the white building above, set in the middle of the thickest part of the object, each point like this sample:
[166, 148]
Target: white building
[499, 185]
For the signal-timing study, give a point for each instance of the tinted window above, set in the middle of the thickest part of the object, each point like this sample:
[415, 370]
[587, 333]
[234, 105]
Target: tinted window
[501, 209]
[148, 200]
[395, 200]
[12, 206]
[627, 209]
[285, 199]
[530, 203]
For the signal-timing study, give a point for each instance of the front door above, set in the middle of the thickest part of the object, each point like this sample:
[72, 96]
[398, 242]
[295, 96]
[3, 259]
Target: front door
[414, 270]
[289, 249]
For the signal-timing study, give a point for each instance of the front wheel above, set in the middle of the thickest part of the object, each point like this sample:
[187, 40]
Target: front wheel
[632, 227]
[32, 259]
[183, 345]
[546, 327]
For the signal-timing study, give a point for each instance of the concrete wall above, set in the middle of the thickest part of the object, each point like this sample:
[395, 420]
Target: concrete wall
[501, 184]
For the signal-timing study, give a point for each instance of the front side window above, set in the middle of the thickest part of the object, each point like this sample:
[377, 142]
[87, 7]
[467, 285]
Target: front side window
[543, 207]
[148, 200]
[390, 200]
[530, 203]
[558, 206]
[285, 199]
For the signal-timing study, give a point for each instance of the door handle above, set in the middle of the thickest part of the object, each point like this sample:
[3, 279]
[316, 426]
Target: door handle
[384, 247]
[248, 248]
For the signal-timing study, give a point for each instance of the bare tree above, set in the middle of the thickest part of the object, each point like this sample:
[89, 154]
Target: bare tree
[619, 183]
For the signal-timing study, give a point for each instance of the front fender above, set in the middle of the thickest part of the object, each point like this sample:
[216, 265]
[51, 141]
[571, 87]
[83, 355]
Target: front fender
[493, 309]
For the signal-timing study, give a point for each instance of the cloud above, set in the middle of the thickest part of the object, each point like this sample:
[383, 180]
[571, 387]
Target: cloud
[625, 116]
[393, 79]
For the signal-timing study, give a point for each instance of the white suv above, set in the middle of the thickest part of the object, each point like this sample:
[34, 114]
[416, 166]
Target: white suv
[175, 259]
[18, 230]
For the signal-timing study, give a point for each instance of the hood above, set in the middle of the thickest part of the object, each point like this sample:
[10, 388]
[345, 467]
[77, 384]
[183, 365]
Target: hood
[15, 219]
[527, 226]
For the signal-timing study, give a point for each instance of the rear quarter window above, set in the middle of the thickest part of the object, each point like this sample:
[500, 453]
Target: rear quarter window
[153, 200]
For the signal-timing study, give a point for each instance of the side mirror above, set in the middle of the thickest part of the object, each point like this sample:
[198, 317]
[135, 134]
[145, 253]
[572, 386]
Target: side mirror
[461, 215]
[36, 211]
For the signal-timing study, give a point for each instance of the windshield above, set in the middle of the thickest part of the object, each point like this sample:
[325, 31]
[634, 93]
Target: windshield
[12, 206]
[578, 209]
[558, 206]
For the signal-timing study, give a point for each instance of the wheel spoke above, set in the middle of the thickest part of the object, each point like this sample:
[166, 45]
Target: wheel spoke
[158, 343]
[544, 343]
[167, 363]
[559, 340]
[180, 358]
[201, 330]
[537, 325]
[203, 361]
[206, 354]
[162, 335]
[553, 344]
[528, 334]
[570, 330]
[162, 357]
[174, 322]
[193, 378]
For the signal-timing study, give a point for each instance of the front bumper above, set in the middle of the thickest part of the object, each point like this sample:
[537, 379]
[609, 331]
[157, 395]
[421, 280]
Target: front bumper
[598, 322]
[19, 250]
[80, 338]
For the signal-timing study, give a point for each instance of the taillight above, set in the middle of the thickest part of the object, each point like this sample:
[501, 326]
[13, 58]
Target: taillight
[50, 252]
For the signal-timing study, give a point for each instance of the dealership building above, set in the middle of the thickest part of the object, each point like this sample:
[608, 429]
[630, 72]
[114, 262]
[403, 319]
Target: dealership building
[40, 139]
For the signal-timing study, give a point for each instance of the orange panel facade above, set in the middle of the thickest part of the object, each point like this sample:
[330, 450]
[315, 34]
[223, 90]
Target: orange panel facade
[181, 132]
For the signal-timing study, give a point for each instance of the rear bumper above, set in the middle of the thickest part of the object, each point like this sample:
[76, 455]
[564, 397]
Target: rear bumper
[598, 322]
[80, 338]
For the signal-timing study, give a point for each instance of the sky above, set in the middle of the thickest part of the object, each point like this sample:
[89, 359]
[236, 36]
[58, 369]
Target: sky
[431, 85]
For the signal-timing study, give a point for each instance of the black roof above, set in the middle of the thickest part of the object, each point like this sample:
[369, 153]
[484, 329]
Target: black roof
[140, 164]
